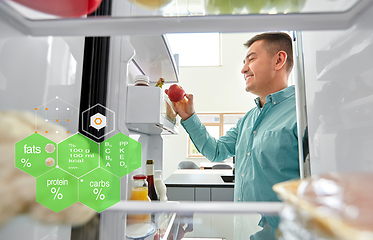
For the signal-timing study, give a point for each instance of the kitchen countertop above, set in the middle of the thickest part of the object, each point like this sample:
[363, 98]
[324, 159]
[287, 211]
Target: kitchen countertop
[198, 178]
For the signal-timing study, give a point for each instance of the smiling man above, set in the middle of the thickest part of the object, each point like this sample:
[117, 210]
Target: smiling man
[266, 52]
[265, 140]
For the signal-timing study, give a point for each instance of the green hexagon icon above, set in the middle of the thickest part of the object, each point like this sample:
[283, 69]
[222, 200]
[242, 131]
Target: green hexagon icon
[35, 155]
[78, 155]
[99, 189]
[57, 189]
[120, 154]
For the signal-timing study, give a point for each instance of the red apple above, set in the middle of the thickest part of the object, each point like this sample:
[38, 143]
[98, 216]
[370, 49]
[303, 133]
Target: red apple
[176, 93]
[65, 8]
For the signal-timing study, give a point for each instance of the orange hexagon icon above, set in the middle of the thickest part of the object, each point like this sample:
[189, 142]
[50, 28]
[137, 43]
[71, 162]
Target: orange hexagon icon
[98, 121]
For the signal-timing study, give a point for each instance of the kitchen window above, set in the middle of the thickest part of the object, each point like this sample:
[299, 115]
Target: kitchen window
[207, 46]
[217, 124]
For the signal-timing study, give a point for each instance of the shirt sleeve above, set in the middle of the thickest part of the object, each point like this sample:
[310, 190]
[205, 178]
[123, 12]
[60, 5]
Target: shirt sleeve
[215, 150]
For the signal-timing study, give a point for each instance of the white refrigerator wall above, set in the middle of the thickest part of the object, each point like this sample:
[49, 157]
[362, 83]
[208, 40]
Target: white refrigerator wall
[339, 90]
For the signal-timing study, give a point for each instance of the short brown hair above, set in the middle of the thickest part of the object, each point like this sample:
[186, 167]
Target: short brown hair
[275, 42]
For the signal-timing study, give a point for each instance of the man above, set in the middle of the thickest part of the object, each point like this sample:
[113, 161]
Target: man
[265, 140]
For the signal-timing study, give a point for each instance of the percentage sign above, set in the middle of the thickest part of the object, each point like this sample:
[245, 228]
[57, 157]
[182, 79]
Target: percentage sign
[99, 194]
[56, 194]
[72, 145]
[25, 162]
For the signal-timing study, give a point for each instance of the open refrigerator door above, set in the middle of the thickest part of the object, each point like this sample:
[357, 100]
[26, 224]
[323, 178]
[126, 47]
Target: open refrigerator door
[53, 69]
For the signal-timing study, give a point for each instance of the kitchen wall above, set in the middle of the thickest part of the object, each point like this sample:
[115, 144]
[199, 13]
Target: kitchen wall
[215, 89]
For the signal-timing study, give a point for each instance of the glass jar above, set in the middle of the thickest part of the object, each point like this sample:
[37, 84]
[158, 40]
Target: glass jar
[139, 192]
[142, 80]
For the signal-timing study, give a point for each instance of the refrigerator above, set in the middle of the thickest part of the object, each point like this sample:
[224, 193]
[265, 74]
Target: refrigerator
[79, 63]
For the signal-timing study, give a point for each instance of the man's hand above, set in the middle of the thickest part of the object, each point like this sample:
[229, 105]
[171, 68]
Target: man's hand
[185, 107]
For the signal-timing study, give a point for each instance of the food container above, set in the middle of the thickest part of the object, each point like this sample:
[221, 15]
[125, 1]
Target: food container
[139, 192]
[329, 206]
[142, 80]
[141, 231]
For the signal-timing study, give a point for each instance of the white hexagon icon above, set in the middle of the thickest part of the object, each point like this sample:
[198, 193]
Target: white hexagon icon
[98, 121]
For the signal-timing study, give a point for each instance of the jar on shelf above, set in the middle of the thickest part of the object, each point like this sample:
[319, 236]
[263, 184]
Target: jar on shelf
[139, 192]
[142, 80]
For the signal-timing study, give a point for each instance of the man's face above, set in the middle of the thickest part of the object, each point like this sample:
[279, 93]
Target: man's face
[257, 69]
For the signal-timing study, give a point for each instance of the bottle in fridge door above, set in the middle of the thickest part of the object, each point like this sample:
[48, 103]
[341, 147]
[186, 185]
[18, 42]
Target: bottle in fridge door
[150, 178]
[160, 187]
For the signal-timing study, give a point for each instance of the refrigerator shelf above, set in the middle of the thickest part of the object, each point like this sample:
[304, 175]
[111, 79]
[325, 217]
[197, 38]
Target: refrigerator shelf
[188, 8]
[342, 18]
[148, 111]
[198, 207]
[358, 103]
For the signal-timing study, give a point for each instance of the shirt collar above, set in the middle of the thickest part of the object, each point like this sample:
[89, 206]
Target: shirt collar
[277, 97]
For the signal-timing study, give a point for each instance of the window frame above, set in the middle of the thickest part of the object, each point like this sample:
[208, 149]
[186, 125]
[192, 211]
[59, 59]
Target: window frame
[221, 130]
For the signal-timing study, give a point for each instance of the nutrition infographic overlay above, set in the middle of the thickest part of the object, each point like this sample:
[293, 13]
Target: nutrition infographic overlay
[79, 169]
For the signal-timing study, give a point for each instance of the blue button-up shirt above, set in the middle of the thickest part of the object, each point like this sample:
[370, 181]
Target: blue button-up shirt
[264, 141]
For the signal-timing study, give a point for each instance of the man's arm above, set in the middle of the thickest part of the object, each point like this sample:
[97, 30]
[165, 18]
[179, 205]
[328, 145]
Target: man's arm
[213, 149]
